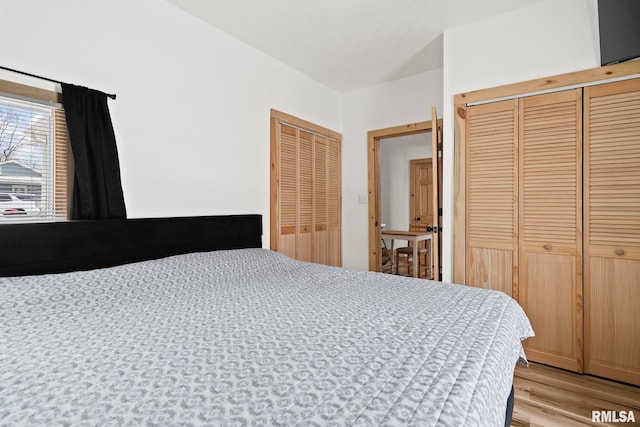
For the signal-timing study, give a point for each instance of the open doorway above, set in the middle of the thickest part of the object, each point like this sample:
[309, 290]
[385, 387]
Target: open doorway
[393, 192]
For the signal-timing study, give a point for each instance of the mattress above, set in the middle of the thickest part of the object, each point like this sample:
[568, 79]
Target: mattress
[248, 338]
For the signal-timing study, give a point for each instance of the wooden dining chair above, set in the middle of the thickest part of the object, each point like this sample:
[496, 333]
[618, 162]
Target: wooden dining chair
[406, 254]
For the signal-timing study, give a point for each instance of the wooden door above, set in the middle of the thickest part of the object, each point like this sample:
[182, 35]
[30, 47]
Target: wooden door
[305, 196]
[334, 203]
[295, 191]
[421, 189]
[287, 190]
[491, 196]
[420, 202]
[327, 201]
[321, 246]
[550, 213]
[612, 230]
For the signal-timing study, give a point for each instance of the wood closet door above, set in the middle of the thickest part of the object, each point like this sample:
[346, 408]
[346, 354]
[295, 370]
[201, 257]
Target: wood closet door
[550, 215]
[306, 215]
[327, 202]
[305, 197]
[612, 230]
[334, 201]
[420, 195]
[322, 249]
[295, 193]
[286, 239]
[491, 196]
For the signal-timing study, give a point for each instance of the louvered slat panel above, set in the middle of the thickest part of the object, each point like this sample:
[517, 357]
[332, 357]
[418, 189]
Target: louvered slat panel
[320, 236]
[288, 194]
[305, 183]
[612, 100]
[549, 151]
[491, 211]
[334, 201]
[614, 169]
[305, 206]
[320, 181]
[334, 186]
[305, 197]
[491, 170]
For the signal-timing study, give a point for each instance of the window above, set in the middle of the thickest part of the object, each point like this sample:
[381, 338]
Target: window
[35, 158]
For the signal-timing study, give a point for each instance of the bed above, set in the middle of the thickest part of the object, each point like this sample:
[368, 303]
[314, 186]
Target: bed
[189, 322]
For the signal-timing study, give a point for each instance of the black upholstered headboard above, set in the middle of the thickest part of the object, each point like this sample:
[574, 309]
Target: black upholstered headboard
[82, 245]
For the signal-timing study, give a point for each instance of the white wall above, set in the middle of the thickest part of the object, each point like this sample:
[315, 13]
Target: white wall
[545, 39]
[192, 113]
[399, 102]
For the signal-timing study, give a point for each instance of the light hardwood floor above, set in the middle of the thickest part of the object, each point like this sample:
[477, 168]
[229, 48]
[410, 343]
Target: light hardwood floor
[548, 397]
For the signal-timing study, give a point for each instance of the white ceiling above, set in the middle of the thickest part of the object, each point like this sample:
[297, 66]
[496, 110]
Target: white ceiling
[348, 44]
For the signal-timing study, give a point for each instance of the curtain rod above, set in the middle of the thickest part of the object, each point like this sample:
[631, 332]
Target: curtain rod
[112, 96]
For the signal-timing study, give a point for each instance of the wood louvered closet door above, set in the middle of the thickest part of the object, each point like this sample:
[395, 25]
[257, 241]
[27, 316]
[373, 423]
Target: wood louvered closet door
[612, 230]
[571, 202]
[334, 203]
[287, 192]
[305, 194]
[550, 214]
[491, 222]
[327, 212]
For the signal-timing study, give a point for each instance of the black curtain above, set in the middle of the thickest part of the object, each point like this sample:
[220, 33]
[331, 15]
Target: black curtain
[97, 189]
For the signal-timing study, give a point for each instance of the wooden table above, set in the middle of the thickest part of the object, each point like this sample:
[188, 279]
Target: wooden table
[413, 236]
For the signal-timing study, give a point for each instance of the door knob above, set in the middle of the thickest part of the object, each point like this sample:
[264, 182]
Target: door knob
[619, 251]
[548, 247]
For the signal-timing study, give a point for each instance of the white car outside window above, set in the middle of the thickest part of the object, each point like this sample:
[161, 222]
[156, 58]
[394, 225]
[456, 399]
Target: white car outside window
[18, 204]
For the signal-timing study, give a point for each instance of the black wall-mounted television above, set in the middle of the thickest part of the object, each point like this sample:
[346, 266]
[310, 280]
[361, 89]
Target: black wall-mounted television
[619, 23]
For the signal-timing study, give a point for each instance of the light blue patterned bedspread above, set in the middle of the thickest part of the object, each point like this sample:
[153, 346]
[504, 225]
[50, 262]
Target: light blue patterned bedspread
[253, 338]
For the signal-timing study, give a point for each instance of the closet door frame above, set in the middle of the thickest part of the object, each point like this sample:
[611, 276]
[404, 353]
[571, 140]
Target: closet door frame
[373, 157]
